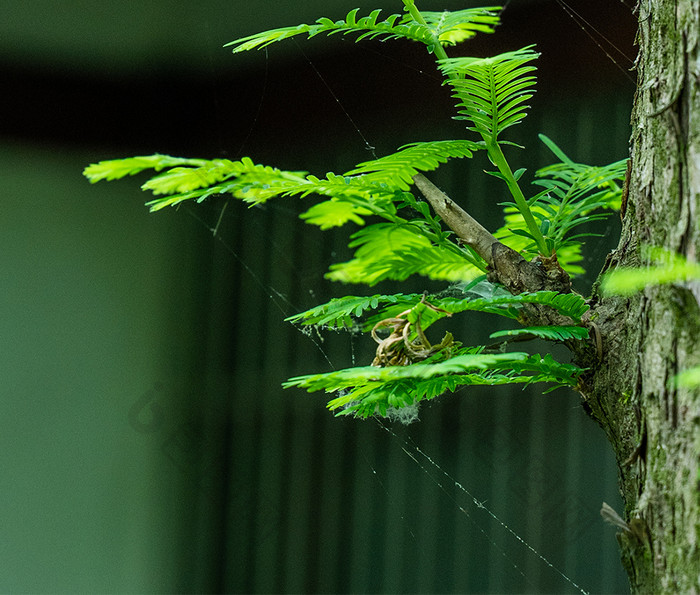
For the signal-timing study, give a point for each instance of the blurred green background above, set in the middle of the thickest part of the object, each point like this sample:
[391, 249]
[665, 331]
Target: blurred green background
[145, 443]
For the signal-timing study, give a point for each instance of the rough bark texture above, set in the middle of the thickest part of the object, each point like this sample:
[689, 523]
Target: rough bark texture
[653, 425]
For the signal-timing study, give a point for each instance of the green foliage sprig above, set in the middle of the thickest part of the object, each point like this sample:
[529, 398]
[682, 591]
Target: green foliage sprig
[573, 194]
[346, 312]
[665, 267]
[436, 28]
[371, 390]
[491, 92]
[400, 235]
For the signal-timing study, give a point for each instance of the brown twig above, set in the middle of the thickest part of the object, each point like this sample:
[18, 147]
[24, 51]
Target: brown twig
[457, 219]
[506, 266]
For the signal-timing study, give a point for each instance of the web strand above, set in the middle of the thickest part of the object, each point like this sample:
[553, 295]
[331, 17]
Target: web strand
[277, 298]
[258, 110]
[587, 27]
[437, 482]
[412, 448]
[367, 144]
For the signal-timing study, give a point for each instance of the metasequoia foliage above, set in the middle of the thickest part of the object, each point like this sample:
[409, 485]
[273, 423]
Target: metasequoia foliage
[407, 226]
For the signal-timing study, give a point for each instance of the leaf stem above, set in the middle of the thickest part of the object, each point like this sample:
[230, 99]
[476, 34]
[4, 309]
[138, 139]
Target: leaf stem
[494, 149]
[500, 161]
[439, 51]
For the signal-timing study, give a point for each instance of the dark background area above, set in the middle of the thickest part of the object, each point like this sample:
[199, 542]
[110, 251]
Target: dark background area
[145, 442]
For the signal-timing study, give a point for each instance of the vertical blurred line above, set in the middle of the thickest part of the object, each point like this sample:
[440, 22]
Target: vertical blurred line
[328, 513]
[400, 507]
[274, 345]
[344, 543]
[463, 545]
[572, 474]
[363, 511]
[241, 507]
[443, 573]
[499, 496]
[254, 345]
[537, 452]
[315, 494]
[428, 500]
[303, 454]
[239, 358]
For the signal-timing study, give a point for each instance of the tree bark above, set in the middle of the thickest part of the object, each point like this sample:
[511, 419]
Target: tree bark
[653, 424]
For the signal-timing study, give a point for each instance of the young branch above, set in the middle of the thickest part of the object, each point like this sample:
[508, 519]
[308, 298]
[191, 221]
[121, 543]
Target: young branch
[457, 219]
[506, 266]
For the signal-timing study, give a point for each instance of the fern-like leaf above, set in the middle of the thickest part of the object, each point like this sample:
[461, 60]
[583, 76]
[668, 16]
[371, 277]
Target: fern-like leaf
[398, 250]
[335, 213]
[350, 377]
[551, 333]
[197, 179]
[514, 234]
[369, 26]
[399, 168]
[547, 369]
[348, 312]
[253, 183]
[186, 179]
[568, 304]
[492, 92]
[114, 169]
[446, 28]
[453, 27]
[364, 197]
[574, 194]
[371, 390]
[342, 312]
[667, 267]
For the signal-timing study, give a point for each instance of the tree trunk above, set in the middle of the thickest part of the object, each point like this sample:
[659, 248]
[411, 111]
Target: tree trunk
[654, 425]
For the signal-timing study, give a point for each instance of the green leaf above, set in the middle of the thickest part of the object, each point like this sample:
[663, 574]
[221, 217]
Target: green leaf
[340, 312]
[369, 27]
[371, 390]
[399, 168]
[114, 169]
[253, 183]
[334, 213]
[670, 268]
[547, 369]
[454, 27]
[343, 379]
[689, 378]
[568, 304]
[447, 28]
[574, 194]
[550, 144]
[185, 179]
[398, 250]
[492, 92]
[552, 333]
